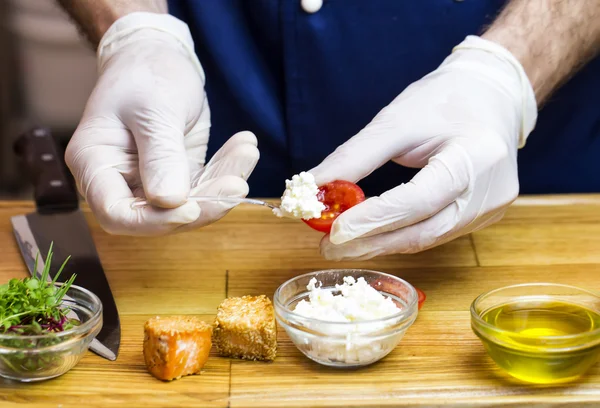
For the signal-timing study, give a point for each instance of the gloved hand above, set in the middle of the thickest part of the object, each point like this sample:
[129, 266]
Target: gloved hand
[462, 124]
[145, 130]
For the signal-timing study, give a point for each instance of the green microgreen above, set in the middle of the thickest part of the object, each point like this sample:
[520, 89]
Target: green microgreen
[33, 305]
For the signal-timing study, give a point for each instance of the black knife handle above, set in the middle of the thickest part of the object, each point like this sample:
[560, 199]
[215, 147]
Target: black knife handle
[53, 188]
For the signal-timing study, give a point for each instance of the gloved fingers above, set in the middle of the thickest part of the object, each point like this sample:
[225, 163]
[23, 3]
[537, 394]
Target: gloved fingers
[163, 164]
[423, 235]
[485, 220]
[84, 153]
[237, 157]
[223, 186]
[372, 147]
[244, 137]
[225, 175]
[442, 181]
[196, 138]
[110, 198]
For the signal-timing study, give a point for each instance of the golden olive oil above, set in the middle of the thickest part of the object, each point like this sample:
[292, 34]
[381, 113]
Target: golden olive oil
[525, 350]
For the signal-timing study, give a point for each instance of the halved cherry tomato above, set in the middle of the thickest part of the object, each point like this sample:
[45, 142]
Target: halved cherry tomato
[338, 196]
[422, 297]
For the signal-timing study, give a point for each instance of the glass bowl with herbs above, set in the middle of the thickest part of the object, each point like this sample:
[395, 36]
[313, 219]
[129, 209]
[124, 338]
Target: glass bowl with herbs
[45, 326]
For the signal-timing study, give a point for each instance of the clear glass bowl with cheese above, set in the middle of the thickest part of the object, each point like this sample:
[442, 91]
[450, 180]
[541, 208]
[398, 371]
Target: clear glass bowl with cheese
[346, 317]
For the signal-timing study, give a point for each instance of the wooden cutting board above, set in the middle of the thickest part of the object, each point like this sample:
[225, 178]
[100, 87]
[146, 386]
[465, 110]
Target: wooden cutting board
[439, 362]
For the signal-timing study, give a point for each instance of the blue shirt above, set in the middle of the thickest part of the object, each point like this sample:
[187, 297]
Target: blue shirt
[305, 83]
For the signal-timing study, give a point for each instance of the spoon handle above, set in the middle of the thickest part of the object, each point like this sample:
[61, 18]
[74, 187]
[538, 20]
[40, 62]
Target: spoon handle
[230, 200]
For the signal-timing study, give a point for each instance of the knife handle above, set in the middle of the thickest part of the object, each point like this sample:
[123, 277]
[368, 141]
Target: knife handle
[53, 186]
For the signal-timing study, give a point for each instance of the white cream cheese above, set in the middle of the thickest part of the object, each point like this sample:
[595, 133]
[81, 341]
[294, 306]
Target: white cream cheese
[354, 343]
[299, 199]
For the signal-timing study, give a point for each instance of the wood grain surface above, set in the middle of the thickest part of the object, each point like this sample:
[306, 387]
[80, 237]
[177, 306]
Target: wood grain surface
[439, 362]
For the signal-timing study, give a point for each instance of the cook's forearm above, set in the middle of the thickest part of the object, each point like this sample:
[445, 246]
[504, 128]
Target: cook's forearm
[551, 38]
[94, 17]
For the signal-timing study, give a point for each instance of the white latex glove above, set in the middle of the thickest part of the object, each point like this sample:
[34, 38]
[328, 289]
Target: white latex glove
[462, 124]
[145, 130]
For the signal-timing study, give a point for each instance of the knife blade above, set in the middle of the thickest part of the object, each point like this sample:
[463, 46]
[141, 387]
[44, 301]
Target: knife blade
[59, 220]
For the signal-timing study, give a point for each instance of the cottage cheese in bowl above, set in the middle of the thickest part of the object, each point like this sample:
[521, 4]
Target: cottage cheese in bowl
[356, 301]
[346, 318]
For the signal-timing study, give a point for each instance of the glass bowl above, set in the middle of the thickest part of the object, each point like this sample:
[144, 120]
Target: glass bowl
[540, 333]
[346, 344]
[29, 358]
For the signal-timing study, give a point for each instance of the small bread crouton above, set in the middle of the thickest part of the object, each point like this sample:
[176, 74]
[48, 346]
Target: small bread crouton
[245, 328]
[176, 346]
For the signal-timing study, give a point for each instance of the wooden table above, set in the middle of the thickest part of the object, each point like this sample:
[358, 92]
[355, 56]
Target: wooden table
[440, 361]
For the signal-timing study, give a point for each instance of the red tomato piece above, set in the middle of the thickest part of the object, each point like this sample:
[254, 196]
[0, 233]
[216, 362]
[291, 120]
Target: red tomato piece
[338, 196]
[422, 297]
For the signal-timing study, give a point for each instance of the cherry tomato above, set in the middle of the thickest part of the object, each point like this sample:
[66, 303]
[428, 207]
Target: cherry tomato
[422, 297]
[338, 196]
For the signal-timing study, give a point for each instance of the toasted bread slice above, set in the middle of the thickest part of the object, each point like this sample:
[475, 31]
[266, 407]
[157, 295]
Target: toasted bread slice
[245, 328]
[176, 346]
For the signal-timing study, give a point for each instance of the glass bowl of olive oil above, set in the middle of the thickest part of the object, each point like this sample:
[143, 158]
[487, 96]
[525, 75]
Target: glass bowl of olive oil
[541, 333]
